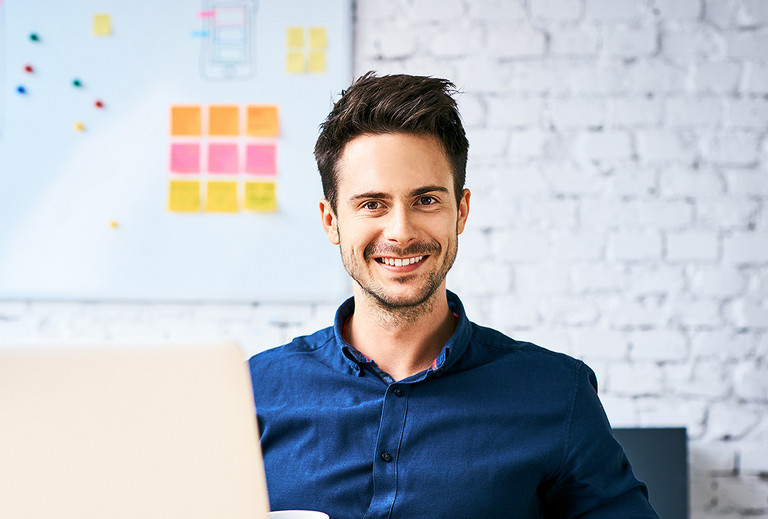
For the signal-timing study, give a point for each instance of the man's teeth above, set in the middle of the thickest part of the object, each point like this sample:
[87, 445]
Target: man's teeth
[399, 262]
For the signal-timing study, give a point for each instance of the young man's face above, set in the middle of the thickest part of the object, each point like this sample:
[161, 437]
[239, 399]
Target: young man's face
[396, 221]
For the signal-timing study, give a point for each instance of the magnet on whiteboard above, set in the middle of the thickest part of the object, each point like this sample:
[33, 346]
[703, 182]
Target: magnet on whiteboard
[77, 83]
[21, 90]
[29, 68]
[79, 126]
[34, 37]
[113, 224]
[99, 103]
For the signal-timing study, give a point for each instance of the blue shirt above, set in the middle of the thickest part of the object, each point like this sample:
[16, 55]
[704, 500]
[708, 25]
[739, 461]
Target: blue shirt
[495, 428]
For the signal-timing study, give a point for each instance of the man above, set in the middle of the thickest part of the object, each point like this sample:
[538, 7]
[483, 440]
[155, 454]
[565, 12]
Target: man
[404, 408]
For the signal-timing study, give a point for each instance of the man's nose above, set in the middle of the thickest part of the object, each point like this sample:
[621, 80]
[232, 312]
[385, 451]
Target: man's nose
[400, 227]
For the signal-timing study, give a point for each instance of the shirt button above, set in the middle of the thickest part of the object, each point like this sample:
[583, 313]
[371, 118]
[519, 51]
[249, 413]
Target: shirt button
[385, 457]
[397, 391]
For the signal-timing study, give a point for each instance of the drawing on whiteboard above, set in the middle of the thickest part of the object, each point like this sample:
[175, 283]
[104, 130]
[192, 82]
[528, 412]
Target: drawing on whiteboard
[227, 43]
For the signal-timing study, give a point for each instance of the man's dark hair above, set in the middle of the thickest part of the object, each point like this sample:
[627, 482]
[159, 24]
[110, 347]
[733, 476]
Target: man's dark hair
[399, 103]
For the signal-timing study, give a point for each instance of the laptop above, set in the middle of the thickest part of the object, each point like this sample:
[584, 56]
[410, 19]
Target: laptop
[128, 431]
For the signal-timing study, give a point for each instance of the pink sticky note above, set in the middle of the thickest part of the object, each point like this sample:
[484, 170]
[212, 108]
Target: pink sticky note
[261, 159]
[185, 158]
[222, 158]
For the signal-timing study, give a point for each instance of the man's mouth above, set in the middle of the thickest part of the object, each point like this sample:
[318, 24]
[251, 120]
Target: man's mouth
[400, 262]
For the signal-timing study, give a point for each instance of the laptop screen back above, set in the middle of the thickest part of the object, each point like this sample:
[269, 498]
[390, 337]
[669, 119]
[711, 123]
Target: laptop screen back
[128, 432]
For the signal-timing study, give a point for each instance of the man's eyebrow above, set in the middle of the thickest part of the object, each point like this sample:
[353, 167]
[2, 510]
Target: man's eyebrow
[384, 196]
[429, 189]
[370, 194]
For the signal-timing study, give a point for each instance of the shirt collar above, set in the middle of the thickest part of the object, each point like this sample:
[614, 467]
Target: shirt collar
[451, 352]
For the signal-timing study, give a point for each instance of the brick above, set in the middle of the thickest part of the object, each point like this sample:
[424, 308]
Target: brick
[521, 181]
[692, 42]
[498, 10]
[629, 42]
[480, 74]
[699, 313]
[670, 411]
[522, 41]
[716, 77]
[541, 279]
[755, 78]
[568, 180]
[658, 345]
[751, 383]
[592, 79]
[634, 112]
[732, 149]
[704, 112]
[748, 44]
[665, 146]
[636, 379]
[749, 494]
[598, 277]
[747, 114]
[753, 458]
[597, 343]
[556, 10]
[518, 112]
[747, 182]
[721, 13]
[712, 457]
[704, 378]
[655, 280]
[684, 182]
[620, 410]
[526, 145]
[746, 247]
[443, 43]
[730, 421]
[431, 11]
[578, 246]
[574, 42]
[569, 311]
[635, 180]
[692, 246]
[747, 314]
[720, 281]
[510, 312]
[488, 143]
[603, 145]
[480, 278]
[388, 44]
[576, 113]
[752, 13]
[536, 77]
[376, 11]
[721, 344]
[633, 314]
[732, 213]
[520, 245]
[613, 10]
[472, 110]
[474, 244]
[678, 9]
[656, 77]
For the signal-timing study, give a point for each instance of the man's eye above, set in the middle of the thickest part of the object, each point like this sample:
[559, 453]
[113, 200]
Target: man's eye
[371, 205]
[427, 200]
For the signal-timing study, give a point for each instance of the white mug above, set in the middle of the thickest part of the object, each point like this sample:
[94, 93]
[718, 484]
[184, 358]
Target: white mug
[297, 514]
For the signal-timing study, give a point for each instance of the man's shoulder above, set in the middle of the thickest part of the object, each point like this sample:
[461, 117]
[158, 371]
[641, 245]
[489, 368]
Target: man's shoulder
[288, 353]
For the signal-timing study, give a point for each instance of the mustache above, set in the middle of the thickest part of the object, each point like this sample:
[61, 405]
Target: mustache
[414, 249]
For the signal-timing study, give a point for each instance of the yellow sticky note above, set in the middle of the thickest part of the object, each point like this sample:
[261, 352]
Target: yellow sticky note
[318, 37]
[294, 62]
[223, 120]
[185, 120]
[260, 196]
[262, 121]
[102, 25]
[184, 196]
[317, 61]
[294, 37]
[221, 197]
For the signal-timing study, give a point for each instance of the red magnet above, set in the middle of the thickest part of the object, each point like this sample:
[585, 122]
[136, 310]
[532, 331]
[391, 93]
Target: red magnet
[99, 103]
[29, 68]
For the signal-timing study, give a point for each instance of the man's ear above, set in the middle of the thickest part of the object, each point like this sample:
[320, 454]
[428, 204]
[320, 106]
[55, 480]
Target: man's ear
[330, 224]
[463, 211]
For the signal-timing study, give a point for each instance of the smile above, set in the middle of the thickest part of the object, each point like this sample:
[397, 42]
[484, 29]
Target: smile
[400, 262]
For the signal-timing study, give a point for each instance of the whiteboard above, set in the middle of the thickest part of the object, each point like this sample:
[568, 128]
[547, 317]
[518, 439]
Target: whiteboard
[84, 189]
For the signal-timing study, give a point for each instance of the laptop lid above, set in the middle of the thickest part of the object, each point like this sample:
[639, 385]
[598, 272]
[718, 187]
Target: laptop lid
[139, 431]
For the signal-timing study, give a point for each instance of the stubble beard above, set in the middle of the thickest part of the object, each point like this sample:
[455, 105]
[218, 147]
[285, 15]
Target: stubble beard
[394, 310]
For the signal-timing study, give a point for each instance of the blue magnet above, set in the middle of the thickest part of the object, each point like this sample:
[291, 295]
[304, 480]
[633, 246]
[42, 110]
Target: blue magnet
[34, 37]
[76, 83]
[21, 90]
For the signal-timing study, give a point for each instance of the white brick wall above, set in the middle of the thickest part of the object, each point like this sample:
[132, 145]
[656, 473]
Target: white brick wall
[619, 168]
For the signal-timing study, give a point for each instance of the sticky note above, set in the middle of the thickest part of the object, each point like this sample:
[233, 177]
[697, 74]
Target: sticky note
[316, 62]
[223, 120]
[185, 120]
[221, 197]
[294, 62]
[294, 37]
[318, 37]
[260, 196]
[261, 159]
[184, 196]
[102, 25]
[263, 121]
[185, 158]
[222, 158]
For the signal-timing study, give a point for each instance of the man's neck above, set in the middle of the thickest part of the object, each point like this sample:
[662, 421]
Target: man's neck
[402, 342]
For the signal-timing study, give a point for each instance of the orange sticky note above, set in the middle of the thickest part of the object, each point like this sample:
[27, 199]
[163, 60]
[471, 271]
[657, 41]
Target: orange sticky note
[260, 196]
[223, 120]
[184, 196]
[263, 121]
[185, 120]
[221, 197]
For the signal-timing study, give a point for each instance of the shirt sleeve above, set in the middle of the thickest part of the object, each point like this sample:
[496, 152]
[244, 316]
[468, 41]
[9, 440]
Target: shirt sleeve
[595, 480]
